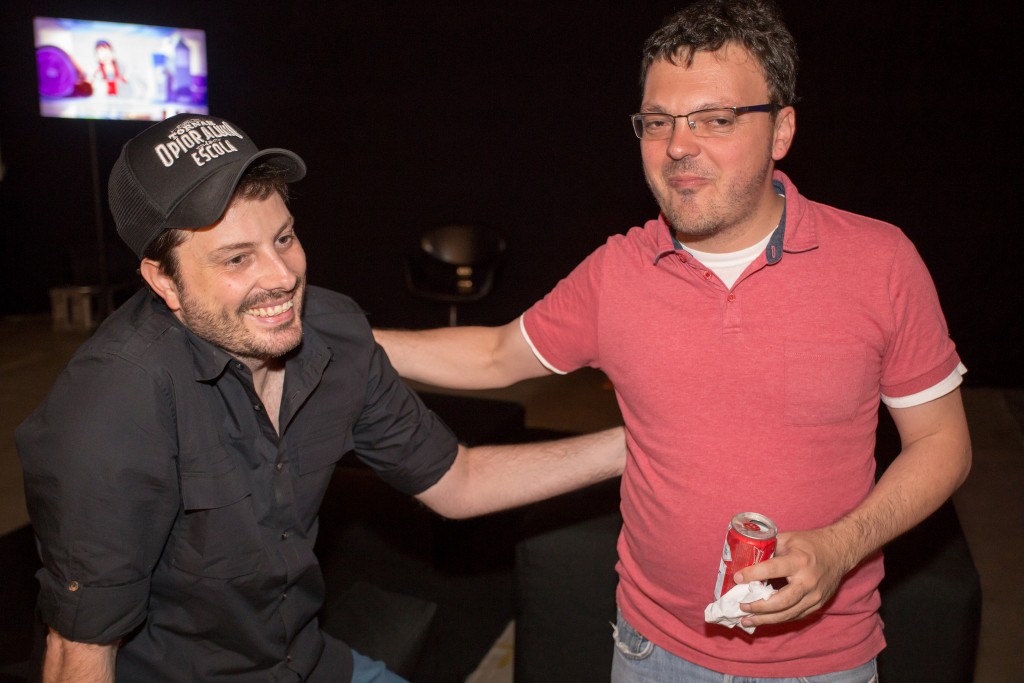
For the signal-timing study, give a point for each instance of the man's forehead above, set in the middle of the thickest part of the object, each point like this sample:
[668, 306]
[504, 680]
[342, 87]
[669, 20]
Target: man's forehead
[246, 221]
[730, 66]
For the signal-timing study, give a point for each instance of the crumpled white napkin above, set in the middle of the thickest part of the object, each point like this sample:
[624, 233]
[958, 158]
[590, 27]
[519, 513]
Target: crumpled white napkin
[726, 610]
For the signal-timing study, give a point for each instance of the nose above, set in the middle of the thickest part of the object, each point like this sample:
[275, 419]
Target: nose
[278, 273]
[682, 142]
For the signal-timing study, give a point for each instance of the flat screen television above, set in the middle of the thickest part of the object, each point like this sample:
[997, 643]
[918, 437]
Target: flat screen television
[107, 70]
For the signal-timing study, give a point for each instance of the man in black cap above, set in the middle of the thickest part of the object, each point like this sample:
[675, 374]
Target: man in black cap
[175, 471]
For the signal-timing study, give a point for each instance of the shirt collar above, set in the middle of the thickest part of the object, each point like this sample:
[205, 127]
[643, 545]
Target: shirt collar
[210, 361]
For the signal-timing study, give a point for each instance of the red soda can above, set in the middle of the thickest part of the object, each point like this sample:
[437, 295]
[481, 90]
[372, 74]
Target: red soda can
[750, 539]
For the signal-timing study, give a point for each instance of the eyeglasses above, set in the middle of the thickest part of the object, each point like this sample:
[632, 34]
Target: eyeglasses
[704, 123]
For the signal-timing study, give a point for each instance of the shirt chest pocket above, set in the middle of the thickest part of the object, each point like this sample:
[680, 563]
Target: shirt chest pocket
[217, 535]
[825, 382]
[323, 448]
[316, 459]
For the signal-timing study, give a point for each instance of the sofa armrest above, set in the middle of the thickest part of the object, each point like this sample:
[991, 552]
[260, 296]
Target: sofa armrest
[565, 602]
[931, 604]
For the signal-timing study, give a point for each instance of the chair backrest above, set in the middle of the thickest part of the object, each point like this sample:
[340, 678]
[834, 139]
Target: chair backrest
[454, 263]
[463, 245]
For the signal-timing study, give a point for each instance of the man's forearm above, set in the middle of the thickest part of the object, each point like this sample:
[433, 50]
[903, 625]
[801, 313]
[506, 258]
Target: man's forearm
[67, 661]
[933, 463]
[491, 478]
[433, 356]
[462, 357]
[923, 477]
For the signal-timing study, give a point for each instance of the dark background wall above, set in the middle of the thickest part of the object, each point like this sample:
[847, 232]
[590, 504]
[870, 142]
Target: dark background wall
[412, 115]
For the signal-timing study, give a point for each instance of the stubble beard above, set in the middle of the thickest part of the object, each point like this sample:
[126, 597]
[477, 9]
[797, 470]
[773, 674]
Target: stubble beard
[227, 329]
[717, 215]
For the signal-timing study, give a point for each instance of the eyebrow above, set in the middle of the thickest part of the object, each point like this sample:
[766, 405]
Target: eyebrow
[652, 109]
[226, 249]
[658, 109]
[220, 252]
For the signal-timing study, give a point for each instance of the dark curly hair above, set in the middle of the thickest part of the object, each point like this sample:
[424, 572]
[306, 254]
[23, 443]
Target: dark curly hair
[707, 25]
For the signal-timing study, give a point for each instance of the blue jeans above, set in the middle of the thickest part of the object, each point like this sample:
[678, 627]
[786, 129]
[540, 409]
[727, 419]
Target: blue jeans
[638, 660]
[371, 671]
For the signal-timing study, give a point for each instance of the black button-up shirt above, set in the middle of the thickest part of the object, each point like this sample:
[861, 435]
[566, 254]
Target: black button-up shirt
[169, 511]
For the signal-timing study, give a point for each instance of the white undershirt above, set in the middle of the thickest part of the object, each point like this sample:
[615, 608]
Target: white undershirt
[728, 267]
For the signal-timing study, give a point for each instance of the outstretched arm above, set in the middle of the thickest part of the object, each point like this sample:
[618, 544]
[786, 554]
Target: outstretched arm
[67, 661]
[462, 357]
[934, 461]
[490, 478]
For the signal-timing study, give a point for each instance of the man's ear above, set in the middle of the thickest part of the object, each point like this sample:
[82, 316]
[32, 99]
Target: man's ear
[785, 129]
[161, 283]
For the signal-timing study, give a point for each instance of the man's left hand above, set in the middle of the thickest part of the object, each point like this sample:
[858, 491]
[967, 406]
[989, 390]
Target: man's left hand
[813, 564]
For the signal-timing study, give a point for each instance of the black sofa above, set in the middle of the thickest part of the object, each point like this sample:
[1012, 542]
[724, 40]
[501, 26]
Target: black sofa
[565, 594]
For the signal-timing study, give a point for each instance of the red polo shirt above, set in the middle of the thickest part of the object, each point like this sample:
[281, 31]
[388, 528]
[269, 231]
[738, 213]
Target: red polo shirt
[760, 398]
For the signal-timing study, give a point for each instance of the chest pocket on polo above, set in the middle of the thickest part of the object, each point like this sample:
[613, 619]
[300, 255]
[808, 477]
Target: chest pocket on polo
[825, 381]
[217, 535]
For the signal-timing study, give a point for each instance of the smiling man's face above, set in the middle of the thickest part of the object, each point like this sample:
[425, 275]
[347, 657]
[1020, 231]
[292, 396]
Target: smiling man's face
[240, 282]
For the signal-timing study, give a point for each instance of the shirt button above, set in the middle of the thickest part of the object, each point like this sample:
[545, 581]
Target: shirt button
[74, 586]
[279, 466]
[256, 407]
[284, 596]
[732, 296]
[707, 274]
[288, 659]
[284, 536]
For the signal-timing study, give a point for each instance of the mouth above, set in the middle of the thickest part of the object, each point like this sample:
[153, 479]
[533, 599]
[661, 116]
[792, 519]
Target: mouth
[686, 182]
[270, 311]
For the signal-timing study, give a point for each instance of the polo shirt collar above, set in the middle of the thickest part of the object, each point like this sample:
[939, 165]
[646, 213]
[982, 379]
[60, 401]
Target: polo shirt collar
[795, 234]
[776, 243]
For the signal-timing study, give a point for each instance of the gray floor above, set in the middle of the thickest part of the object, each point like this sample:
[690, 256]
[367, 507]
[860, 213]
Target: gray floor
[990, 504]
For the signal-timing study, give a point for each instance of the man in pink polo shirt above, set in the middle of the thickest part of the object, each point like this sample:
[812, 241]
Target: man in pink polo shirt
[750, 334]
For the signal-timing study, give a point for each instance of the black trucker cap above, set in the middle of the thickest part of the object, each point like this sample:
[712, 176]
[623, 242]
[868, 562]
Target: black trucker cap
[181, 173]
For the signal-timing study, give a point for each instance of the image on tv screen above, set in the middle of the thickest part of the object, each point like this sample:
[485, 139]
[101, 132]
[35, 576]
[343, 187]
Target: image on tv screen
[106, 70]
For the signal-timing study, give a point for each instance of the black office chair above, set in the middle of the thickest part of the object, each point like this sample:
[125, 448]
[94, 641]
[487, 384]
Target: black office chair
[454, 264]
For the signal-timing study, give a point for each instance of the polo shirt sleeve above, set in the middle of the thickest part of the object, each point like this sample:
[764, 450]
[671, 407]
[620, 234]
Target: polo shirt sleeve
[407, 444]
[102, 493]
[920, 354]
[562, 328]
